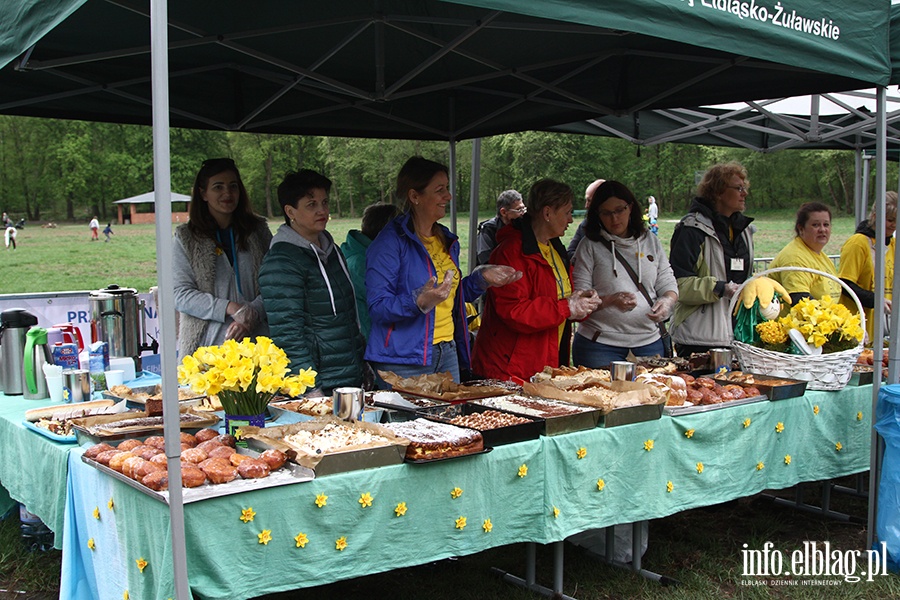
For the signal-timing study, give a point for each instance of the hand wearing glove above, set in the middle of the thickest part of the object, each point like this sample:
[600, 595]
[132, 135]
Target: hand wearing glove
[430, 295]
[583, 303]
[244, 319]
[730, 289]
[624, 301]
[662, 308]
[314, 393]
[498, 275]
[887, 306]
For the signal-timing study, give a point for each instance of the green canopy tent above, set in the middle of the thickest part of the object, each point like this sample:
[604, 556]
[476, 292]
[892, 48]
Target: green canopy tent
[425, 69]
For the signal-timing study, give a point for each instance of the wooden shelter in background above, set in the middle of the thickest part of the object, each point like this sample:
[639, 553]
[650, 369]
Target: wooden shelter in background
[127, 209]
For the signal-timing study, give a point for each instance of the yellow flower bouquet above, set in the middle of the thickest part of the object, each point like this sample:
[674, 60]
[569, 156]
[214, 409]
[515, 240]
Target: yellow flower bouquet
[824, 324]
[244, 375]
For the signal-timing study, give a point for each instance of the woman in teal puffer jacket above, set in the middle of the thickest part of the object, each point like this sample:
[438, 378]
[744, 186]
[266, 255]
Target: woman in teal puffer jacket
[307, 289]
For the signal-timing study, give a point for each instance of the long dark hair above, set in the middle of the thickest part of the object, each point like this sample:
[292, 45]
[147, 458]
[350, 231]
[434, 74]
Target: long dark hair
[415, 174]
[613, 189]
[243, 221]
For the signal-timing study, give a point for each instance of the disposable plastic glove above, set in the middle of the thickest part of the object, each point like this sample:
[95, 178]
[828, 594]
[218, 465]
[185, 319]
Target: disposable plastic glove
[887, 306]
[243, 321]
[730, 289]
[583, 303]
[498, 275]
[661, 309]
[430, 295]
[624, 301]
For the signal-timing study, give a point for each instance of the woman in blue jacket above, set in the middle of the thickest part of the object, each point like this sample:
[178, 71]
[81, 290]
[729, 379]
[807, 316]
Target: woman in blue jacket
[415, 293]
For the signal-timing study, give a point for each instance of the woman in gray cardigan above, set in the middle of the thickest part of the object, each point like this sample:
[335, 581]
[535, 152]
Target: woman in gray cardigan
[617, 239]
[216, 261]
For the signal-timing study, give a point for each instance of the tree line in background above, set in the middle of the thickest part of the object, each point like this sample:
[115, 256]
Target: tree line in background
[55, 170]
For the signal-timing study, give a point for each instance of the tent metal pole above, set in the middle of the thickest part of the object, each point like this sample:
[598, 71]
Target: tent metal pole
[857, 193]
[864, 186]
[162, 185]
[474, 202]
[878, 312]
[454, 184]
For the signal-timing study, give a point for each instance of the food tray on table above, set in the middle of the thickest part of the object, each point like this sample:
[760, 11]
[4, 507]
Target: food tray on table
[774, 388]
[559, 417]
[865, 375]
[306, 409]
[402, 402]
[436, 441]
[137, 396]
[65, 439]
[388, 450]
[689, 409]
[627, 415]
[529, 429]
[440, 386]
[289, 474]
[105, 428]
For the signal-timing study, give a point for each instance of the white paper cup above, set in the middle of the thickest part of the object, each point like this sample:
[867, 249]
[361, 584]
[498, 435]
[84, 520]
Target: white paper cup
[114, 377]
[55, 388]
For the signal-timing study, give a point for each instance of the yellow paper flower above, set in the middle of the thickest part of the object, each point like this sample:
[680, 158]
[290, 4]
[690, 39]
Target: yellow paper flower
[461, 523]
[838, 446]
[816, 409]
[110, 505]
[487, 526]
[779, 427]
[265, 537]
[340, 543]
[699, 467]
[125, 595]
[91, 544]
[141, 564]
[555, 513]
[400, 509]
[689, 433]
[746, 422]
[97, 512]
[582, 452]
[247, 514]
[456, 493]
[669, 487]
[365, 499]
[859, 416]
[760, 466]
[648, 445]
[301, 540]
[787, 459]
[600, 485]
[523, 471]
[321, 500]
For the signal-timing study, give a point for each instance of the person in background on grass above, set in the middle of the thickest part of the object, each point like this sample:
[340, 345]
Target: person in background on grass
[711, 255]
[10, 235]
[509, 206]
[216, 261]
[5, 220]
[107, 231]
[857, 264]
[653, 215]
[579, 232]
[374, 218]
[95, 229]
[307, 289]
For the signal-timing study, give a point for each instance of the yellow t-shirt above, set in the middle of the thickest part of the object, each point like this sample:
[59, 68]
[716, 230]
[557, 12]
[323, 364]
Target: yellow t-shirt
[798, 254]
[563, 283]
[858, 265]
[443, 313]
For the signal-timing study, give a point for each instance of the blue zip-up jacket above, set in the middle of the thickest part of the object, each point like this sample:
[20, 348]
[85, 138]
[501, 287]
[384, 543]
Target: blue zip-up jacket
[397, 266]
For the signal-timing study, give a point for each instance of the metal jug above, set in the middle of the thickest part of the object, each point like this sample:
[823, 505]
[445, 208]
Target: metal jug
[118, 318]
[14, 324]
[37, 354]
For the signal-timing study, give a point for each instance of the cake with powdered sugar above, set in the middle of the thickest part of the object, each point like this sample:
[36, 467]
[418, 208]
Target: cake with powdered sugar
[533, 406]
[431, 440]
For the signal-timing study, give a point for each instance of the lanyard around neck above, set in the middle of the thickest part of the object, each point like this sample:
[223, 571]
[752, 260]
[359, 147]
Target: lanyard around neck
[234, 256]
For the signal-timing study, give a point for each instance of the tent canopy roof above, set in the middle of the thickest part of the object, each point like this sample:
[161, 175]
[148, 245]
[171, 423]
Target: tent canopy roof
[425, 69]
[150, 198]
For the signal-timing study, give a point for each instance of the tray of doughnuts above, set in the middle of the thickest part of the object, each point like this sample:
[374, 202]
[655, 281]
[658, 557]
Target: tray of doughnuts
[706, 394]
[211, 466]
[775, 388]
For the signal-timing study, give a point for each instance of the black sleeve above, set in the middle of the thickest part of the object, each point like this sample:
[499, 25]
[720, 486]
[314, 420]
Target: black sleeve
[866, 298]
[798, 296]
[684, 251]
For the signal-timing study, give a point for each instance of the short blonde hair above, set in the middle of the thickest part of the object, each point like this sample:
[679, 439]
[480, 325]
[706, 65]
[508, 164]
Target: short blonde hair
[890, 208]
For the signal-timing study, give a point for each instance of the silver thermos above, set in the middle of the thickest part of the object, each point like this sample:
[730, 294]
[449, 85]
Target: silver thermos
[14, 324]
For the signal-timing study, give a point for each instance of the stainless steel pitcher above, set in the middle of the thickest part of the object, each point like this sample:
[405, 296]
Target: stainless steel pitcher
[14, 324]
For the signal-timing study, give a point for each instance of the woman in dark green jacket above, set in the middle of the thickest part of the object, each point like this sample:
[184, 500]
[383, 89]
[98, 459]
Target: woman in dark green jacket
[307, 290]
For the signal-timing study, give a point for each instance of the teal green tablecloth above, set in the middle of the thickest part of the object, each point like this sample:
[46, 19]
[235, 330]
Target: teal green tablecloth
[32, 468]
[558, 497]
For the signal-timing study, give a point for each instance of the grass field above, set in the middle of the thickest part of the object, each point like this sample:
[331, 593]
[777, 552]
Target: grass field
[64, 258]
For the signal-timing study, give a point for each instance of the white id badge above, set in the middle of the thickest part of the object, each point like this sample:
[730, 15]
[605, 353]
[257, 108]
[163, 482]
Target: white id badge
[737, 264]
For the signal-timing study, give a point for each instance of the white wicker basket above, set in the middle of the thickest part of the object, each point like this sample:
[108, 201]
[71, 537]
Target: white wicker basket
[823, 372]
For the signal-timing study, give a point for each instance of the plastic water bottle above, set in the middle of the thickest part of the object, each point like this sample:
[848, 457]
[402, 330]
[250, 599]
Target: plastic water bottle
[35, 534]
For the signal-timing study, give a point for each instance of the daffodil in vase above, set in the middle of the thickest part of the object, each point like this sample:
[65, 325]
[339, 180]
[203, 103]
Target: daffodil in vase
[245, 376]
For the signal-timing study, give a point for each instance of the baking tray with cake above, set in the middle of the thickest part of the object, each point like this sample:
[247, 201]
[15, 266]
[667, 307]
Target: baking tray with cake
[104, 428]
[558, 417]
[328, 445]
[497, 427]
[775, 388]
[287, 474]
[140, 396]
[433, 441]
[55, 422]
[440, 386]
[402, 402]
[307, 409]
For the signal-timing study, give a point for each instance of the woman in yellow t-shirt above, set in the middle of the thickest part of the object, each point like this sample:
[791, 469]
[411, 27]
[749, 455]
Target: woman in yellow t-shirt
[813, 228]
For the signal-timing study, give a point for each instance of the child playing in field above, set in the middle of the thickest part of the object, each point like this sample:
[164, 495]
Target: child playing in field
[10, 235]
[108, 231]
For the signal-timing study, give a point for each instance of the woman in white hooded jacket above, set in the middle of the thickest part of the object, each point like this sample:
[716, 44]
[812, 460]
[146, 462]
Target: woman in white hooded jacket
[616, 238]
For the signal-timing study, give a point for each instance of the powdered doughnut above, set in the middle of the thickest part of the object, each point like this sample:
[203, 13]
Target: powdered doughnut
[157, 481]
[130, 464]
[222, 452]
[189, 439]
[219, 470]
[194, 455]
[144, 469]
[116, 462]
[191, 476]
[104, 457]
[253, 468]
[208, 445]
[157, 441]
[206, 434]
[96, 449]
[127, 445]
[227, 440]
[237, 459]
[159, 459]
[274, 458]
[147, 452]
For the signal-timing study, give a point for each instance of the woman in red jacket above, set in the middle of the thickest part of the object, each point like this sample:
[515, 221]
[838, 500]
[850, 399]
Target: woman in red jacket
[526, 323]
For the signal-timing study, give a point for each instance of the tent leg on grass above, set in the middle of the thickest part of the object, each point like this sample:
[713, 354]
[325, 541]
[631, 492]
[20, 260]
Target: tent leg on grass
[823, 510]
[529, 581]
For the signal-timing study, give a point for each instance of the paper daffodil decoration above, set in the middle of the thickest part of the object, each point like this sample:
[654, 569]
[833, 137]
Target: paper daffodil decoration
[816, 409]
[321, 500]
[760, 466]
[689, 433]
[400, 509]
[779, 427]
[523, 471]
[110, 505]
[838, 446]
[247, 514]
[487, 526]
[97, 512]
[648, 445]
[555, 513]
[699, 467]
[456, 493]
[787, 459]
[669, 487]
[746, 422]
[126, 595]
[265, 537]
[141, 564]
[859, 416]
[301, 540]
[600, 485]
[365, 499]
[91, 544]
[581, 453]
[341, 543]
[461, 523]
